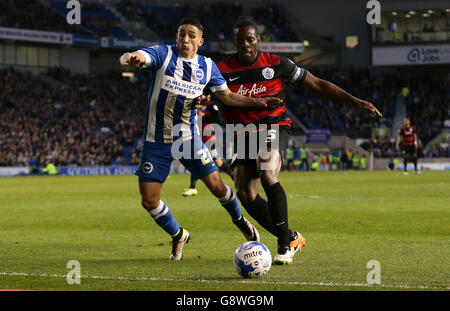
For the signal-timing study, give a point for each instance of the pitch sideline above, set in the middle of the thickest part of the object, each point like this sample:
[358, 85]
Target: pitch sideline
[219, 281]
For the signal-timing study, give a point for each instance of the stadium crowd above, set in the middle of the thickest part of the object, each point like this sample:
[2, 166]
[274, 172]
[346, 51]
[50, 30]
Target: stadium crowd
[85, 120]
[318, 113]
[95, 120]
[427, 104]
[34, 15]
[89, 121]
[218, 18]
[31, 14]
[101, 21]
[426, 101]
[296, 159]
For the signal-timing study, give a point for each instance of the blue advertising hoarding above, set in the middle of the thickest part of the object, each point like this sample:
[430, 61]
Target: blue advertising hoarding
[317, 136]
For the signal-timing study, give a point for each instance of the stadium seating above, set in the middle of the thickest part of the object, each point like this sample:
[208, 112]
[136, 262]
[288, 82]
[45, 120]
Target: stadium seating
[78, 120]
[277, 27]
[218, 19]
[319, 113]
[97, 19]
[428, 105]
[97, 119]
[31, 14]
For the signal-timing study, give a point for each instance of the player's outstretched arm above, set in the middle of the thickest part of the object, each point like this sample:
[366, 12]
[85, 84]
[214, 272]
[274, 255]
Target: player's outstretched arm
[131, 60]
[337, 94]
[234, 99]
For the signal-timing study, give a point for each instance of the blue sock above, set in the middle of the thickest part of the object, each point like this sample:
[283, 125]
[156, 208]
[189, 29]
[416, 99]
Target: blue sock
[164, 218]
[231, 204]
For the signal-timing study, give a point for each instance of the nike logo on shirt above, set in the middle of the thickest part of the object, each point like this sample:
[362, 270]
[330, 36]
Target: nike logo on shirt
[232, 79]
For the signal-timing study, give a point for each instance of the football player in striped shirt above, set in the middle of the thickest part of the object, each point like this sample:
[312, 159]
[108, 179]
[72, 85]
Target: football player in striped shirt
[178, 76]
[257, 74]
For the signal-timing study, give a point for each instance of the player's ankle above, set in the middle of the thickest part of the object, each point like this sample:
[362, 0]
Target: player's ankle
[178, 236]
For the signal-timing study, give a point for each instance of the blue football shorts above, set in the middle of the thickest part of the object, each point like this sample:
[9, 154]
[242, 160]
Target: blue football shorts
[156, 159]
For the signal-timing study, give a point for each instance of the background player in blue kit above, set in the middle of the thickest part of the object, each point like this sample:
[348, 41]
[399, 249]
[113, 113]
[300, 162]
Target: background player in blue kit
[178, 76]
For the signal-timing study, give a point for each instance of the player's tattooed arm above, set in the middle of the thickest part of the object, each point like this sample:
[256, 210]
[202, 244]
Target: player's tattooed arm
[234, 99]
[131, 60]
[337, 94]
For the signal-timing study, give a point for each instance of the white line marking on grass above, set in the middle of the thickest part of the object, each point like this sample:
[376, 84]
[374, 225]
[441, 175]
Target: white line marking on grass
[313, 197]
[292, 196]
[126, 278]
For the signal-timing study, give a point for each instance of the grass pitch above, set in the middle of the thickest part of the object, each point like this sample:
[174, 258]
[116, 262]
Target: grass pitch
[348, 218]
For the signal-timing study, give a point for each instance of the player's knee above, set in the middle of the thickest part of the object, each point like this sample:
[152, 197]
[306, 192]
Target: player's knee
[215, 184]
[217, 187]
[149, 203]
[268, 178]
[245, 197]
[218, 190]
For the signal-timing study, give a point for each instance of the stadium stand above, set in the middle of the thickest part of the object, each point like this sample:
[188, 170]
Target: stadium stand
[76, 119]
[31, 14]
[319, 113]
[218, 19]
[427, 105]
[277, 26]
[413, 26]
[87, 121]
[97, 18]
[96, 119]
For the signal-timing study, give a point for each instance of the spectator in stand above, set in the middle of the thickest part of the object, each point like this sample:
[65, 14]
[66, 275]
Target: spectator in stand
[31, 14]
[289, 159]
[39, 121]
[304, 159]
[297, 158]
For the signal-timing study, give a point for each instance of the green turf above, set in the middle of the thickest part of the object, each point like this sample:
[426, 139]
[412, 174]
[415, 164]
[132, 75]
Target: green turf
[348, 218]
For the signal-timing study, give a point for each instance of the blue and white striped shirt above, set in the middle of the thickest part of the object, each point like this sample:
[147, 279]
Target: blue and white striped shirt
[175, 82]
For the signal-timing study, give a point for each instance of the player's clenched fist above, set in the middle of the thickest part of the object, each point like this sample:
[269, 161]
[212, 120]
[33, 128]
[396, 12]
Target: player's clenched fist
[129, 60]
[201, 101]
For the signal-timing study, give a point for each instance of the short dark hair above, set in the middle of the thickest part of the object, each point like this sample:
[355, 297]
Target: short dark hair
[191, 21]
[245, 23]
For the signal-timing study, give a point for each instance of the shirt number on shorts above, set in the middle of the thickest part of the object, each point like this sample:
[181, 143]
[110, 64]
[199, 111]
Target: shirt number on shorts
[204, 155]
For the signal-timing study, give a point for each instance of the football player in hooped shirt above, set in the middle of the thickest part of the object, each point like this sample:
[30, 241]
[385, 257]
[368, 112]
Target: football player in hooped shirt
[257, 74]
[408, 137]
[178, 76]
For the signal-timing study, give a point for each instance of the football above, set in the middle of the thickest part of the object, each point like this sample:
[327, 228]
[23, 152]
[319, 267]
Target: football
[252, 260]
